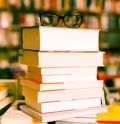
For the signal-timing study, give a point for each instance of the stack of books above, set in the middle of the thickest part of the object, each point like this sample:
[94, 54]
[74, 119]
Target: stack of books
[62, 71]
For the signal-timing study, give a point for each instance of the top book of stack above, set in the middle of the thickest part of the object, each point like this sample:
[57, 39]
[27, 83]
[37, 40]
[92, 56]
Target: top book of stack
[43, 38]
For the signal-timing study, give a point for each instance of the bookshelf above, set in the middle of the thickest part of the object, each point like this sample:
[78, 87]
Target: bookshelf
[109, 42]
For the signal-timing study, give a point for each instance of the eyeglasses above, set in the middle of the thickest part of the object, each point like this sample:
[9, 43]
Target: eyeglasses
[52, 19]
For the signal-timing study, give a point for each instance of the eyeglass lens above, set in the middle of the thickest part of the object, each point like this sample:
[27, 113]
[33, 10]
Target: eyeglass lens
[49, 19]
[69, 20]
[72, 20]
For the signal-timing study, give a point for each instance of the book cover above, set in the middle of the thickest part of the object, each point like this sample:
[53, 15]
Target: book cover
[58, 95]
[55, 106]
[59, 39]
[58, 86]
[60, 59]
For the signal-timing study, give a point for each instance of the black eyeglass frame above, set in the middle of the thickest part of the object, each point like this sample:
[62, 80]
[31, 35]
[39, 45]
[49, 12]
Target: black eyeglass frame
[60, 17]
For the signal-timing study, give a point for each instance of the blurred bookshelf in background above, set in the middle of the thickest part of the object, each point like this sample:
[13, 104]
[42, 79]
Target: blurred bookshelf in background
[102, 14]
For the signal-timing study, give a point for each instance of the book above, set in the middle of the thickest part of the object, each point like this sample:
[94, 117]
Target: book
[61, 85]
[12, 85]
[54, 116]
[59, 39]
[3, 110]
[115, 107]
[60, 59]
[17, 117]
[109, 121]
[112, 114]
[5, 101]
[65, 70]
[58, 95]
[3, 92]
[62, 77]
[78, 120]
[14, 115]
[108, 116]
[55, 106]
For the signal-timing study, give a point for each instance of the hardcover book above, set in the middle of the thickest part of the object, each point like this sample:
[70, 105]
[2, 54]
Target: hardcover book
[55, 106]
[58, 95]
[59, 39]
[65, 70]
[54, 116]
[60, 59]
[62, 77]
[59, 85]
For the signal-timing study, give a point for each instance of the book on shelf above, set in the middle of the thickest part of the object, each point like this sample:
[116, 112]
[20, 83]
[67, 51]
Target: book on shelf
[3, 92]
[59, 39]
[58, 95]
[62, 77]
[55, 106]
[65, 70]
[61, 85]
[54, 116]
[60, 59]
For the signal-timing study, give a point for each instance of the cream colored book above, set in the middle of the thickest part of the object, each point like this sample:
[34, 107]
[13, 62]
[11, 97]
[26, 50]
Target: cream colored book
[60, 59]
[58, 95]
[59, 39]
[59, 85]
[78, 120]
[61, 115]
[62, 77]
[55, 106]
[65, 70]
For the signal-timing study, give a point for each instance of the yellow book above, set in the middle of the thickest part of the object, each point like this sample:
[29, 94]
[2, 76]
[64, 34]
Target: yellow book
[114, 108]
[113, 113]
[108, 115]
